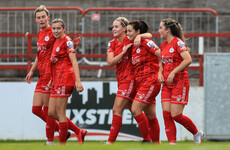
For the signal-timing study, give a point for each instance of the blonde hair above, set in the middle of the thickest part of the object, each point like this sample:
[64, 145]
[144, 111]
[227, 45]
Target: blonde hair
[42, 8]
[124, 21]
[59, 20]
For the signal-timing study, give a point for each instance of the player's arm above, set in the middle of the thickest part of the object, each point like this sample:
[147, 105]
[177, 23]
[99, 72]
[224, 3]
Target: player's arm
[137, 40]
[73, 59]
[160, 74]
[187, 60]
[31, 72]
[158, 53]
[113, 60]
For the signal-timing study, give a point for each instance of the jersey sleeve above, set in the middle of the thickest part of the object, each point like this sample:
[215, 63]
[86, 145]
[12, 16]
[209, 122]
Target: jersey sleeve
[69, 46]
[150, 46]
[110, 47]
[181, 46]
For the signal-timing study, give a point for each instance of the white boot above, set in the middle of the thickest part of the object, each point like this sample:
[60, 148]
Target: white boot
[198, 137]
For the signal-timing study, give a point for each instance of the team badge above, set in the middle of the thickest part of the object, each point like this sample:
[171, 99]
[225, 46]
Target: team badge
[140, 97]
[138, 50]
[123, 93]
[171, 50]
[123, 47]
[46, 89]
[57, 49]
[47, 38]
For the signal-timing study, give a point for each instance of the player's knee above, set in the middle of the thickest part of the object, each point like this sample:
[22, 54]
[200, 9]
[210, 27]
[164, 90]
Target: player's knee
[52, 114]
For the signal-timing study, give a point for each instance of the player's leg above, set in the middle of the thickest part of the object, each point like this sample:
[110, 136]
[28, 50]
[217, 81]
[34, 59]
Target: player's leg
[119, 105]
[179, 100]
[37, 106]
[154, 128]
[170, 127]
[177, 114]
[137, 111]
[61, 113]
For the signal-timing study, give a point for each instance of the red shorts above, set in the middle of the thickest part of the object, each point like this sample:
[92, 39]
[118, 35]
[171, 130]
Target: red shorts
[126, 90]
[147, 93]
[177, 95]
[42, 85]
[38, 87]
[61, 91]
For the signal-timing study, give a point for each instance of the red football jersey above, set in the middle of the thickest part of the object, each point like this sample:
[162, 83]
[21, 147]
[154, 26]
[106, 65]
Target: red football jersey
[145, 63]
[171, 58]
[44, 49]
[62, 69]
[124, 65]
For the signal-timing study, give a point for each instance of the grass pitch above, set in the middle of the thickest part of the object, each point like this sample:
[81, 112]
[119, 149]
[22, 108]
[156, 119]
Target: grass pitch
[96, 145]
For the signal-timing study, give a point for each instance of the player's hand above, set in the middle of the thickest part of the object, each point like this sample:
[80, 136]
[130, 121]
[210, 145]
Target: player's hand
[161, 78]
[28, 77]
[127, 47]
[76, 41]
[137, 41]
[170, 78]
[79, 87]
[49, 85]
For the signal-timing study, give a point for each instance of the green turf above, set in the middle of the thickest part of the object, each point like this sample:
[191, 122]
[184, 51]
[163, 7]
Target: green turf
[95, 145]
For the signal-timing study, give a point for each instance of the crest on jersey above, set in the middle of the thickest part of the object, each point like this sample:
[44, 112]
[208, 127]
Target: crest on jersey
[138, 50]
[47, 38]
[123, 47]
[69, 44]
[57, 49]
[171, 50]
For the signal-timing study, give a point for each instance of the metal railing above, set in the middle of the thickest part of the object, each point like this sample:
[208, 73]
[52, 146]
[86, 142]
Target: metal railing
[17, 51]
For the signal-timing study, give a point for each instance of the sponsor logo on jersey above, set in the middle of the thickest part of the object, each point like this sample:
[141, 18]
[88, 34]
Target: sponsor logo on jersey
[135, 60]
[41, 47]
[167, 59]
[53, 58]
[47, 38]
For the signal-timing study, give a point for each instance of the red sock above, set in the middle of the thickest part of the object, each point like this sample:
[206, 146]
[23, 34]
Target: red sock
[170, 127]
[186, 122]
[63, 130]
[45, 109]
[37, 110]
[115, 128]
[73, 126]
[143, 126]
[50, 127]
[154, 130]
